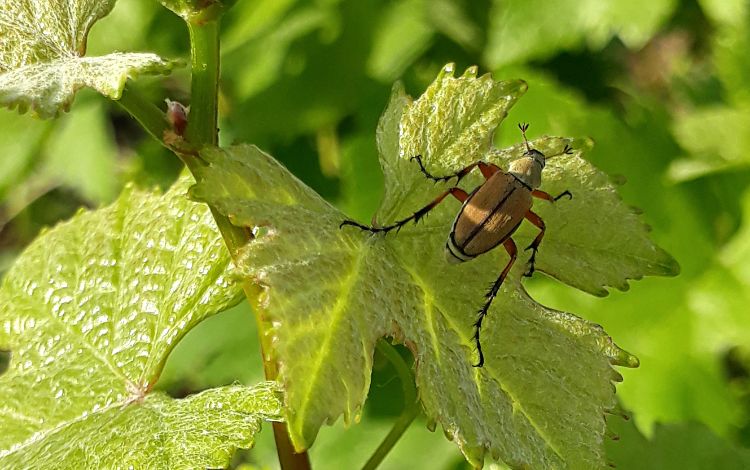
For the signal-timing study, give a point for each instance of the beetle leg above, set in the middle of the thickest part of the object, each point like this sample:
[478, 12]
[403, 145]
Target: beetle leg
[458, 193]
[548, 197]
[534, 246]
[510, 247]
[487, 169]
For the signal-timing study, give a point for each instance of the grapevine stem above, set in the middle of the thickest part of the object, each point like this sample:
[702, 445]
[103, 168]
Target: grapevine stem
[202, 130]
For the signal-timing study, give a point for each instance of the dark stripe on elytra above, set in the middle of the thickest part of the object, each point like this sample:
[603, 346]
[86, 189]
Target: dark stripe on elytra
[461, 251]
[481, 225]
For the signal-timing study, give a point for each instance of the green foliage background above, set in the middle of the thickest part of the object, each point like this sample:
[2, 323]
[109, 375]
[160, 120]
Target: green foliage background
[661, 87]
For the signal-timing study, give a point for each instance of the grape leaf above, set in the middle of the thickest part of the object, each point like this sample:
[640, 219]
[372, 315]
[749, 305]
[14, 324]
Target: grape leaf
[521, 30]
[90, 312]
[330, 293]
[725, 148]
[404, 33]
[19, 144]
[722, 149]
[93, 171]
[688, 446]
[42, 63]
[201, 431]
[718, 301]
[733, 12]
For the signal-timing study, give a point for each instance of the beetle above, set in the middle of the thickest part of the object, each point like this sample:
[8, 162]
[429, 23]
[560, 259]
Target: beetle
[489, 216]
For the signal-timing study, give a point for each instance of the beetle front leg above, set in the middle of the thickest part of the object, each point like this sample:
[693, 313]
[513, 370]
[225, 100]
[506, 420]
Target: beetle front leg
[458, 193]
[534, 246]
[487, 169]
[548, 197]
[510, 247]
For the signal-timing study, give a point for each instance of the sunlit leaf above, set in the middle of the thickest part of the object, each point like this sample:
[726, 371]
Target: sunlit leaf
[42, 63]
[201, 431]
[90, 312]
[330, 293]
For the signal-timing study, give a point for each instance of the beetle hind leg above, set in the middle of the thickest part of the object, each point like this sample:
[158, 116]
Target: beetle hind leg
[510, 247]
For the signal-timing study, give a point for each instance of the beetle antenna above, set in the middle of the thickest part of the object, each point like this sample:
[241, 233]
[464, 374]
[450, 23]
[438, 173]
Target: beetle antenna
[523, 128]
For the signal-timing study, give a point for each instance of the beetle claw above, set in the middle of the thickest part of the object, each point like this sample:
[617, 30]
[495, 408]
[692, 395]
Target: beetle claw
[532, 260]
[564, 193]
[355, 224]
[529, 272]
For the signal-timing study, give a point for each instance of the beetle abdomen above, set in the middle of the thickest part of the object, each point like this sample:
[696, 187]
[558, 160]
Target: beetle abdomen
[488, 217]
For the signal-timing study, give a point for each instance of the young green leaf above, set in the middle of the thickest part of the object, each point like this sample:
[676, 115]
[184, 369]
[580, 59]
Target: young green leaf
[331, 292]
[90, 312]
[42, 63]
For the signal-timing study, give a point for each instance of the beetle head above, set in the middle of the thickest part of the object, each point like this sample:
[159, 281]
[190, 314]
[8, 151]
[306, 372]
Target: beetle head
[537, 156]
[529, 167]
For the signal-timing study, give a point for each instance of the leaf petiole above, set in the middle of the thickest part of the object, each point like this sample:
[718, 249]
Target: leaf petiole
[411, 408]
[148, 115]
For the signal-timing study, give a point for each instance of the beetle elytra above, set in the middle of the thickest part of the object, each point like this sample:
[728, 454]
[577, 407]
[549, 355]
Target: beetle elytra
[489, 216]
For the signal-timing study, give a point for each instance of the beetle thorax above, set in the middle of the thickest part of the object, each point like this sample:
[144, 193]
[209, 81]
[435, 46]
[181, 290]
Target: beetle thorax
[528, 168]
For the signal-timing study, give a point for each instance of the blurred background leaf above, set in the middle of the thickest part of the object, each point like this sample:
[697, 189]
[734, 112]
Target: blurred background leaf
[687, 446]
[661, 88]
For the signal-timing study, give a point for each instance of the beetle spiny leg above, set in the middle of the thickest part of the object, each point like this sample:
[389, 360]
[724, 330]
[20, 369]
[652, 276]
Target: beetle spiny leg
[477, 327]
[532, 259]
[416, 217]
[510, 246]
[356, 224]
[564, 193]
[435, 179]
[532, 262]
[482, 312]
[568, 150]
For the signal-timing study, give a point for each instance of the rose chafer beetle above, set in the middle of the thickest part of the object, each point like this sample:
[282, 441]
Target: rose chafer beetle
[489, 216]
